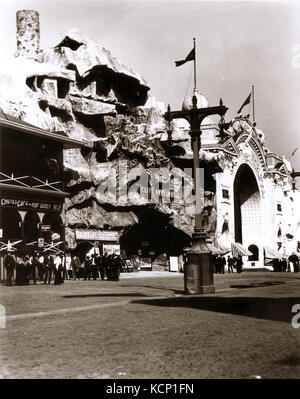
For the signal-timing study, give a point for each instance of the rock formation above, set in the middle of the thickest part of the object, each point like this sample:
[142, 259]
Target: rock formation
[81, 90]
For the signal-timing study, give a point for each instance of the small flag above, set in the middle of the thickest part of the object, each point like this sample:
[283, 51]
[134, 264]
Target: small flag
[189, 57]
[294, 151]
[247, 101]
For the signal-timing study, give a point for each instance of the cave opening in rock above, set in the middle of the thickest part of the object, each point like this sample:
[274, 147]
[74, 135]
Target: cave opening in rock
[61, 114]
[128, 90]
[154, 234]
[71, 43]
[93, 122]
[63, 87]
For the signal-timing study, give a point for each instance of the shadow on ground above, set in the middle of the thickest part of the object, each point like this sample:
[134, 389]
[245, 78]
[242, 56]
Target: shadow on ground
[276, 309]
[153, 287]
[105, 295]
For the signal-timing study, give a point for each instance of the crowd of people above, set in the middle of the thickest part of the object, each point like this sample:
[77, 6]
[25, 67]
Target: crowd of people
[47, 267]
[233, 263]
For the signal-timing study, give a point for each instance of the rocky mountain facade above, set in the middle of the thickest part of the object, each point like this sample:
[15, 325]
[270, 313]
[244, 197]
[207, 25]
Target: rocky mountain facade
[79, 89]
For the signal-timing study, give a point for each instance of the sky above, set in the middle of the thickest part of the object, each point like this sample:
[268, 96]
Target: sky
[238, 44]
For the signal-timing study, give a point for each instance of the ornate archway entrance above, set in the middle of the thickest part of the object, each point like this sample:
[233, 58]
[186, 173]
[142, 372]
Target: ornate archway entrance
[247, 207]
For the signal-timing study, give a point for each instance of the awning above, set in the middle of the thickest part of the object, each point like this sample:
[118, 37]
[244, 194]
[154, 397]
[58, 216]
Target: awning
[214, 250]
[271, 253]
[17, 124]
[238, 249]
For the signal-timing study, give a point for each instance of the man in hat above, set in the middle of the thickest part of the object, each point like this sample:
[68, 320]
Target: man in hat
[33, 267]
[48, 268]
[9, 264]
[295, 261]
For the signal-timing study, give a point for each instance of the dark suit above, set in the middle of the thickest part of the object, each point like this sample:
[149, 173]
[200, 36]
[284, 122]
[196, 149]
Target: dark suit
[9, 264]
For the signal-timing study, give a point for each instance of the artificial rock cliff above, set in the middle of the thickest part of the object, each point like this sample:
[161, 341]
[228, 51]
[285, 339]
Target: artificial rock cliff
[79, 89]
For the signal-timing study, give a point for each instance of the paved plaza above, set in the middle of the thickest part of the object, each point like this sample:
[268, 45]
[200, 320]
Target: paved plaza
[145, 327]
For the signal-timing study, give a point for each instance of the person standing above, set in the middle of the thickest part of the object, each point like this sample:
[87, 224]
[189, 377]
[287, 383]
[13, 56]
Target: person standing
[27, 269]
[62, 268]
[47, 268]
[9, 264]
[41, 267]
[68, 260]
[230, 264]
[81, 268]
[95, 273]
[223, 263]
[87, 268]
[275, 264]
[19, 271]
[57, 270]
[284, 265]
[218, 264]
[100, 263]
[33, 267]
[117, 267]
[239, 264]
[75, 266]
[295, 261]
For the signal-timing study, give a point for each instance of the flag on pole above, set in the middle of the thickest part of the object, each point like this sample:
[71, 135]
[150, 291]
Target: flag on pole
[247, 101]
[189, 57]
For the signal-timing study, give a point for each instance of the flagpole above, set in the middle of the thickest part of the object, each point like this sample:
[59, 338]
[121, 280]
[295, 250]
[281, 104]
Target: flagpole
[253, 115]
[194, 64]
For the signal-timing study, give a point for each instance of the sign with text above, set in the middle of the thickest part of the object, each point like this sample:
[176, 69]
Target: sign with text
[30, 204]
[111, 249]
[96, 235]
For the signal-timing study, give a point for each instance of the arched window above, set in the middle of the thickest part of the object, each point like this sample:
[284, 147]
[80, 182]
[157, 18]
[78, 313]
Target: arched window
[254, 249]
[31, 226]
[10, 223]
[54, 220]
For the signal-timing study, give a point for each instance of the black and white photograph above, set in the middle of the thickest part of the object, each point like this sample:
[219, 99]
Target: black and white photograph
[149, 192]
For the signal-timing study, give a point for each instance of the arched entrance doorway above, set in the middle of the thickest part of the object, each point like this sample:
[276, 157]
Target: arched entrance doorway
[154, 235]
[247, 207]
[10, 223]
[31, 226]
[54, 220]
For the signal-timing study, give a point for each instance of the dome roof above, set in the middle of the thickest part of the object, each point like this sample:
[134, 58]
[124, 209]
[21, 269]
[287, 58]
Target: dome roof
[188, 101]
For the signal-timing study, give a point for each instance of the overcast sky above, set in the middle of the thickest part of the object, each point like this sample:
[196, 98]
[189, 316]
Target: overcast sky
[238, 44]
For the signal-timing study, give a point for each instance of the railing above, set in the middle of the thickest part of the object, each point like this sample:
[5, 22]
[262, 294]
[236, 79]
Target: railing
[30, 182]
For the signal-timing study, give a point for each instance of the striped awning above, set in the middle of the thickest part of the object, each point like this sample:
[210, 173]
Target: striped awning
[271, 253]
[238, 249]
[214, 249]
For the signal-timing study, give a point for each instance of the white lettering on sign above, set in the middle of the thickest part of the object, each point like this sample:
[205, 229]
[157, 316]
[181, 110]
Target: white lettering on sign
[96, 235]
[27, 204]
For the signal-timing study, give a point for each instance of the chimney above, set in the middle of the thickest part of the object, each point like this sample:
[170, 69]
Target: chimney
[28, 34]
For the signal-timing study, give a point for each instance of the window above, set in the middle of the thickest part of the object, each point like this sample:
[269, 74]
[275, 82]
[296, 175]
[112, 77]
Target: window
[225, 193]
[279, 208]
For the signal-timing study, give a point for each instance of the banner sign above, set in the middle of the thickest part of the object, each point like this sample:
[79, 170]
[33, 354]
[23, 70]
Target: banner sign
[96, 235]
[30, 204]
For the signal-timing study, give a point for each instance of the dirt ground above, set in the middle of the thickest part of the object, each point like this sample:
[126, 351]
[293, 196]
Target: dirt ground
[145, 327]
